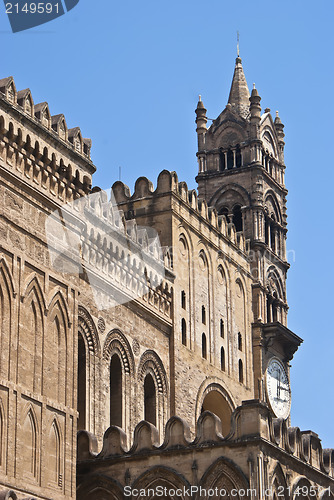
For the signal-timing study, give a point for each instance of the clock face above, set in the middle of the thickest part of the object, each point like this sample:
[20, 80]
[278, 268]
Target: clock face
[278, 388]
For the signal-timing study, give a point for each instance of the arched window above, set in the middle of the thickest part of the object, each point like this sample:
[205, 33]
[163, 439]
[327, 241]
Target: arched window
[204, 353]
[272, 238]
[116, 403]
[275, 307]
[150, 403]
[81, 400]
[224, 211]
[241, 372]
[237, 217]
[184, 331]
[266, 230]
[230, 161]
[222, 164]
[239, 341]
[183, 299]
[238, 156]
[268, 309]
[203, 315]
[222, 328]
[222, 359]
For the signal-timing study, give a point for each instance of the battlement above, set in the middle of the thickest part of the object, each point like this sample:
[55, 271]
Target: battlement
[168, 182]
[250, 422]
[41, 147]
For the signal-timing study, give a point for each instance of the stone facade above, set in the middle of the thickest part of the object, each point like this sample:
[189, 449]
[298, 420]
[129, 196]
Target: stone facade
[146, 321]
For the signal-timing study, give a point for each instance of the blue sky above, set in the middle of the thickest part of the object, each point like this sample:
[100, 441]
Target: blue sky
[129, 74]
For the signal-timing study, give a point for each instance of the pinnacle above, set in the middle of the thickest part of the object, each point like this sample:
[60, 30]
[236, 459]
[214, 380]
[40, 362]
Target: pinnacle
[239, 93]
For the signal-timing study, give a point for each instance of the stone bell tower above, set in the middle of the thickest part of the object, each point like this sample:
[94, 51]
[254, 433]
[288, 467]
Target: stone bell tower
[241, 174]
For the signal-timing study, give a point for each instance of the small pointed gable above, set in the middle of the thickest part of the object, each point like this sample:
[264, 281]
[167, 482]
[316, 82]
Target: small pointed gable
[75, 137]
[25, 100]
[239, 93]
[42, 112]
[58, 124]
[7, 87]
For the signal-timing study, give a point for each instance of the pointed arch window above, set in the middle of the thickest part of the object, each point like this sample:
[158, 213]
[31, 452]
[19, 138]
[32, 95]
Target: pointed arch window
[183, 299]
[222, 359]
[266, 230]
[81, 395]
[272, 237]
[184, 331]
[150, 404]
[222, 328]
[241, 372]
[222, 163]
[238, 156]
[230, 159]
[204, 350]
[224, 211]
[203, 315]
[239, 341]
[116, 400]
[237, 218]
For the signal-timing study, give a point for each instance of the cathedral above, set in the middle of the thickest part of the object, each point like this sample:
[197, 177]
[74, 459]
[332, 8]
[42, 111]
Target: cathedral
[144, 347]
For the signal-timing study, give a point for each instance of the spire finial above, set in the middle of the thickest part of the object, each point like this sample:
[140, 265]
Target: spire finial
[238, 51]
[200, 97]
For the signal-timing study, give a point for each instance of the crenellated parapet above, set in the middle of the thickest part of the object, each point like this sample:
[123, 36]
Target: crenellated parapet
[250, 422]
[40, 149]
[168, 183]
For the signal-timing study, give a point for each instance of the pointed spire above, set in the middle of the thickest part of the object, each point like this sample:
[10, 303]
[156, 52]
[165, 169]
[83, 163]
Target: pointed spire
[239, 93]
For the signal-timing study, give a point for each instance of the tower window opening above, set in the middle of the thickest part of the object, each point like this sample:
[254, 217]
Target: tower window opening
[238, 156]
[183, 299]
[81, 395]
[230, 160]
[237, 217]
[224, 211]
[270, 168]
[222, 164]
[203, 315]
[275, 308]
[222, 327]
[272, 238]
[268, 309]
[116, 403]
[267, 163]
[239, 341]
[241, 372]
[266, 230]
[204, 352]
[150, 404]
[184, 331]
[222, 359]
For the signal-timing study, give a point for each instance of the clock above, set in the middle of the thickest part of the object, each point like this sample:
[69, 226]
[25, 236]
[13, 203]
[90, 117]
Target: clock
[278, 388]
